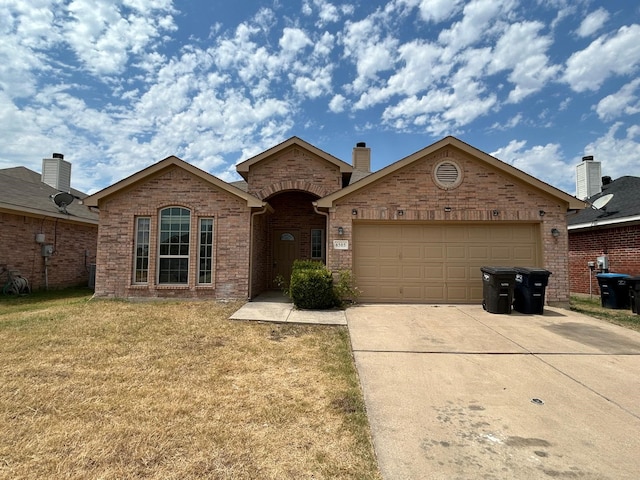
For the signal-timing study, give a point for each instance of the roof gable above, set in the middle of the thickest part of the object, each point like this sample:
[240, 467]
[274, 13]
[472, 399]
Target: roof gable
[94, 199]
[571, 201]
[243, 167]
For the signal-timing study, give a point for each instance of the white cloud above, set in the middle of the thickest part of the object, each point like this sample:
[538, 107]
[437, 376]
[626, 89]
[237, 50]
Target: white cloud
[617, 54]
[337, 104]
[544, 162]
[103, 35]
[593, 22]
[478, 23]
[293, 40]
[619, 154]
[625, 101]
[433, 10]
[522, 50]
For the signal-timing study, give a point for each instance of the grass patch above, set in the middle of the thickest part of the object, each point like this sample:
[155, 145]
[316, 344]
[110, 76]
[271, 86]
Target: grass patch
[174, 390]
[592, 307]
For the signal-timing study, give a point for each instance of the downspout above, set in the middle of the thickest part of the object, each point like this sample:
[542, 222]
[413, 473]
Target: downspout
[326, 230]
[265, 208]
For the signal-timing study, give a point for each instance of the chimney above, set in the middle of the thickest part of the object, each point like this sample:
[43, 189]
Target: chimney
[588, 178]
[56, 172]
[606, 180]
[361, 157]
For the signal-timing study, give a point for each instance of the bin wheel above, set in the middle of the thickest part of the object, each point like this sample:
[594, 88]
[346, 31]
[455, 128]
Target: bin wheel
[484, 305]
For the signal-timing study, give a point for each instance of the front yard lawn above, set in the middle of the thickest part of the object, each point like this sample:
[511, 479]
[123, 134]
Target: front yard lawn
[174, 390]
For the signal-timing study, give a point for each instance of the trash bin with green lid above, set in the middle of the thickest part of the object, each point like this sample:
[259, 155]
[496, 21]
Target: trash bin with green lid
[614, 290]
[497, 288]
[634, 294]
[530, 288]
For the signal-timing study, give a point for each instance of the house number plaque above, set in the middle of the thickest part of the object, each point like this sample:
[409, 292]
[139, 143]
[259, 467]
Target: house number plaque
[341, 244]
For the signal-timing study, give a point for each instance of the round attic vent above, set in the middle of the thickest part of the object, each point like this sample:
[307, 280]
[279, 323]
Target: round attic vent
[447, 174]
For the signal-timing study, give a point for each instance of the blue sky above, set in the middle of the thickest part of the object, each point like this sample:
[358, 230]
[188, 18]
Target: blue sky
[117, 85]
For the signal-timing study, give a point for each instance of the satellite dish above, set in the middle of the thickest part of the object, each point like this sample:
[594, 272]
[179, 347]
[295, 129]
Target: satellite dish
[599, 203]
[62, 200]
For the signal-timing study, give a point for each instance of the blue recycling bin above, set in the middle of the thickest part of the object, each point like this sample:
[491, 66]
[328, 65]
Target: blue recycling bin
[614, 290]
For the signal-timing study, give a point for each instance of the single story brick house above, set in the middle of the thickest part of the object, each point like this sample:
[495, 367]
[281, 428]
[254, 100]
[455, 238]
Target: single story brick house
[52, 246]
[611, 233]
[417, 230]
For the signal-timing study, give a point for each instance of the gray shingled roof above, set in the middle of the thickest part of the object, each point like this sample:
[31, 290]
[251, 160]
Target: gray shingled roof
[22, 191]
[625, 203]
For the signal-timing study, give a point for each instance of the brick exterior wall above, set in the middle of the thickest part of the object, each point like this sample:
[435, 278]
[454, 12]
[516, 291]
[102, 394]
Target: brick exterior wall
[261, 265]
[173, 187]
[413, 190]
[620, 244]
[294, 169]
[74, 250]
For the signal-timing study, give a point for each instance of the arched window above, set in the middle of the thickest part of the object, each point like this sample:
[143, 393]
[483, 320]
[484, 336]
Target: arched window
[173, 245]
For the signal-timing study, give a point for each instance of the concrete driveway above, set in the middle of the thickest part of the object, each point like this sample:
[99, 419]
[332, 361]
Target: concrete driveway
[454, 392]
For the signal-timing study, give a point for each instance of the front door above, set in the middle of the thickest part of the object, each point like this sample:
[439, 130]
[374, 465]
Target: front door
[286, 248]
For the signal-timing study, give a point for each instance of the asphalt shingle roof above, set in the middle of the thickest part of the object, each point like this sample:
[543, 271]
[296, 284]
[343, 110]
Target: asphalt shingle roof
[22, 190]
[625, 202]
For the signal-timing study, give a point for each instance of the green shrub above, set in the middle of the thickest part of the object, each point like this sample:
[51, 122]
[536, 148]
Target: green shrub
[345, 287]
[311, 286]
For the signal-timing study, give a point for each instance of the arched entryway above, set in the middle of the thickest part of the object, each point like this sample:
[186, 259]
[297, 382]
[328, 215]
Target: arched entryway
[295, 231]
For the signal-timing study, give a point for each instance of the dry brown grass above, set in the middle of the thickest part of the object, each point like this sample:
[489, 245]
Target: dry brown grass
[111, 389]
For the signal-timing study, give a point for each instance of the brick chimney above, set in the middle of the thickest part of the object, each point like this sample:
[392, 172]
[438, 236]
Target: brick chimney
[56, 172]
[361, 158]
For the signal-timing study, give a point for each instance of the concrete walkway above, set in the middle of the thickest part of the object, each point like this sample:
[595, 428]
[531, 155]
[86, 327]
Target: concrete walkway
[275, 307]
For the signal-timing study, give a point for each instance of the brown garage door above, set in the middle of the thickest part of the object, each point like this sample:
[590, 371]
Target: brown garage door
[437, 263]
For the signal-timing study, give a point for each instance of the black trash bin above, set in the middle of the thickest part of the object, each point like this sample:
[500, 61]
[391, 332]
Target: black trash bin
[634, 294]
[529, 292]
[497, 288]
[614, 290]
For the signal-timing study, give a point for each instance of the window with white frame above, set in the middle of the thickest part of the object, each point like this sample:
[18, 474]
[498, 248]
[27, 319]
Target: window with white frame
[317, 244]
[173, 246]
[141, 265]
[205, 253]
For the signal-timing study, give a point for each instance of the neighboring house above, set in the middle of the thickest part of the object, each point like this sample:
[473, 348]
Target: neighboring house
[51, 246]
[611, 233]
[416, 231]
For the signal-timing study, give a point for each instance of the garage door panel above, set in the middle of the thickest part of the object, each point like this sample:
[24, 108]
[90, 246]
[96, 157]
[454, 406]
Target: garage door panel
[454, 233]
[412, 272]
[437, 263]
[433, 292]
[524, 254]
[411, 252]
[456, 252]
[434, 252]
[478, 252]
[457, 292]
[390, 272]
[456, 273]
[389, 251]
[434, 271]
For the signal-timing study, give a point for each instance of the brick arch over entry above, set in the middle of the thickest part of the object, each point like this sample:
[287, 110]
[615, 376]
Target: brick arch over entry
[289, 185]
